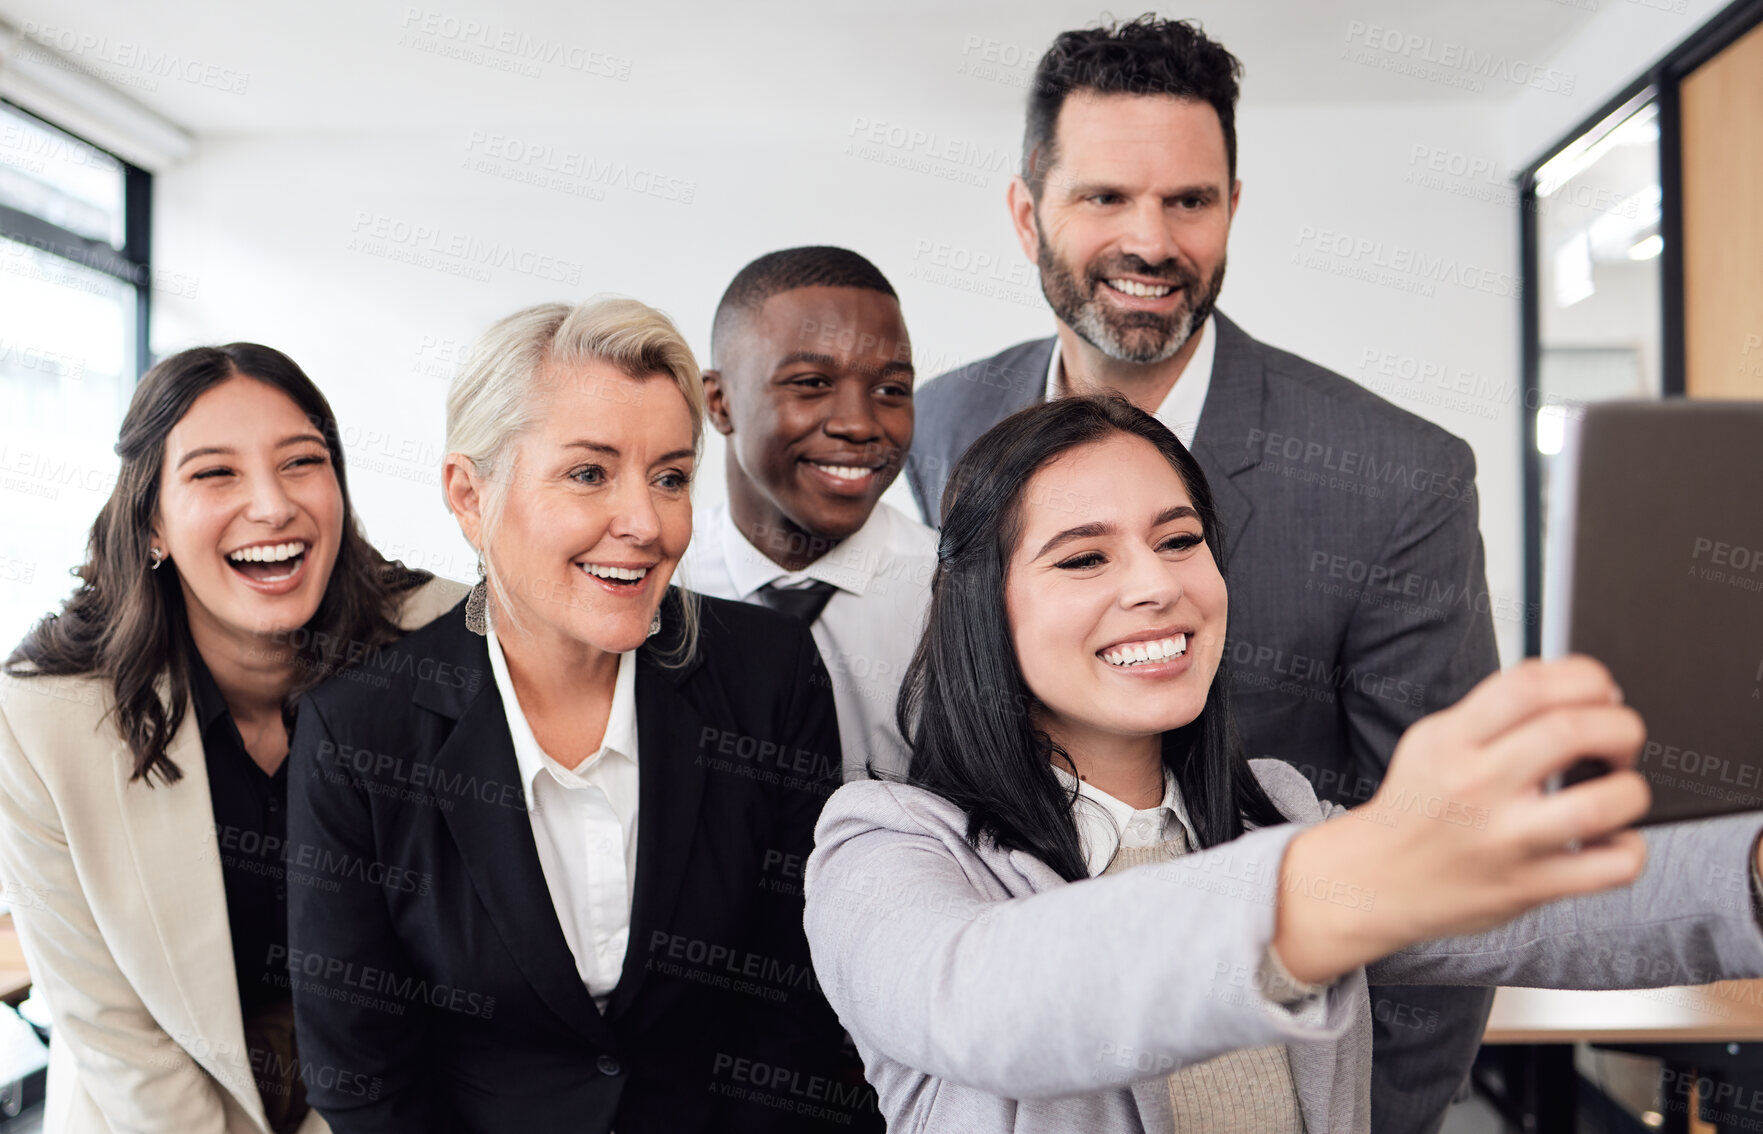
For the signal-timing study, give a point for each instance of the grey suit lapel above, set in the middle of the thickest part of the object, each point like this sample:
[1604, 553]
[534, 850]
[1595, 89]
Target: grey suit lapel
[1018, 386]
[1033, 393]
[1228, 438]
[961, 405]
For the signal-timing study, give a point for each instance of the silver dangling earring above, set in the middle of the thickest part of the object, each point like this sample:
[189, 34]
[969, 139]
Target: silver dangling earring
[157, 555]
[655, 623]
[477, 603]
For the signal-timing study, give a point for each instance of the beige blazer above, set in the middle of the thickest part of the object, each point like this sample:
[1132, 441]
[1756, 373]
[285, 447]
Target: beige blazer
[116, 891]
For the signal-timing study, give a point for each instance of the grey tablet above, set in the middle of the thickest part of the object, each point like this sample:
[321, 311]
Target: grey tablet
[1654, 566]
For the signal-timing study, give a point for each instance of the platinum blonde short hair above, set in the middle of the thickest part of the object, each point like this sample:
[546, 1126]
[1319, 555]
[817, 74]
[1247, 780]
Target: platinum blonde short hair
[495, 396]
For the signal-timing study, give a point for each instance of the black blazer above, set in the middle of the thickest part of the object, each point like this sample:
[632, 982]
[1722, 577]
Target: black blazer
[433, 987]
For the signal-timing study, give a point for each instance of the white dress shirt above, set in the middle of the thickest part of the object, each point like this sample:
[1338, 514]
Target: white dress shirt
[1180, 410]
[585, 826]
[869, 628]
[1106, 824]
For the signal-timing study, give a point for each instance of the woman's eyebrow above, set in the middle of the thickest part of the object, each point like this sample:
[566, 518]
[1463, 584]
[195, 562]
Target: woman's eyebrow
[229, 451]
[1175, 512]
[1082, 531]
[1103, 528]
[613, 451]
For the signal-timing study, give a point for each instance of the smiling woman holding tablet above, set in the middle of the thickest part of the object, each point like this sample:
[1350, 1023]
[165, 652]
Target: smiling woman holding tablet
[1085, 910]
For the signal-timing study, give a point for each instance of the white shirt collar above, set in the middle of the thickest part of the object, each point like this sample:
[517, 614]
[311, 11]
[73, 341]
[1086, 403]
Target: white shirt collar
[849, 566]
[1181, 407]
[1106, 823]
[620, 741]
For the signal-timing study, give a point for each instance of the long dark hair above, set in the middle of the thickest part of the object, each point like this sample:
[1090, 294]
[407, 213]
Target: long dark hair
[128, 625]
[964, 704]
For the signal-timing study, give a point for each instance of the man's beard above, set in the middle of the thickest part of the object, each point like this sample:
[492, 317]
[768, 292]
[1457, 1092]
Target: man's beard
[1142, 337]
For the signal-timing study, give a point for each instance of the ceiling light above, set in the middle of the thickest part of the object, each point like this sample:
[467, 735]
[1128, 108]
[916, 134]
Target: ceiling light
[1636, 122]
[1648, 248]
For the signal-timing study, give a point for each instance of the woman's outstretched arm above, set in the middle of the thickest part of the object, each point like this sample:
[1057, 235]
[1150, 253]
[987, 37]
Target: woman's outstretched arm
[1075, 989]
[1690, 919]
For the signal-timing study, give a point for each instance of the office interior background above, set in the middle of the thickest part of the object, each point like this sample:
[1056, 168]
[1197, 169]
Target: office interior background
[1487, 213]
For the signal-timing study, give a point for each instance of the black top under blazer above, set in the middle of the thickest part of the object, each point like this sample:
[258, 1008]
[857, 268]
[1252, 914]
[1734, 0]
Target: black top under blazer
[433, 986]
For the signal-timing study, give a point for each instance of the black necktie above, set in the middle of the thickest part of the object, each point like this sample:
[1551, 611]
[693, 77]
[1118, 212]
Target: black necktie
[804, 603]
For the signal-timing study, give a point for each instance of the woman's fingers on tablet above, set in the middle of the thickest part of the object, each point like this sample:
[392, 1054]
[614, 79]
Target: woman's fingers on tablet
[1500, 843]
[1554, 740]
[1581, 815]
[1617, 861]
[1511, 697]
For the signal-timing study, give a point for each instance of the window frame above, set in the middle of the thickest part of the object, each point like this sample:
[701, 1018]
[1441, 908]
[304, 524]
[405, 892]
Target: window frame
[1663, 77]
[132, 265]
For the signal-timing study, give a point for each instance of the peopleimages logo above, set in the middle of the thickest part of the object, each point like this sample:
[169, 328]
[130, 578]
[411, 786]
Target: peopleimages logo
[508, 48]
[1402, 262]
[1715, 561]
[131, 64]
[1454, 64]
[457, 253]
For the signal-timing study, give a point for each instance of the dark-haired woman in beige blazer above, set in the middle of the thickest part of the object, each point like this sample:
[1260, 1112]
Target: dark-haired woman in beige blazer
[143, 740]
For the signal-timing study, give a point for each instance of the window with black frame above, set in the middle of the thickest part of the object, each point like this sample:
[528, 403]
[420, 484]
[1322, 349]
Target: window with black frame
[1604, 247]
[74, 282]
[1597, 299]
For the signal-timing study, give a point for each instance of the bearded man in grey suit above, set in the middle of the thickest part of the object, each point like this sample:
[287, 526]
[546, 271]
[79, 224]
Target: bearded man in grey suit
[1358, 589]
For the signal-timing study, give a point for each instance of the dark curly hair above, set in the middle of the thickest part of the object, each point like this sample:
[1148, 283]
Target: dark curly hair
[1147, 56]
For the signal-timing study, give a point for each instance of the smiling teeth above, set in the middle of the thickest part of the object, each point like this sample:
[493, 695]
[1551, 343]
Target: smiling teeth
[622, 574]
[268, 553]
[844, 472]
[1140, 653]
[1143, 291]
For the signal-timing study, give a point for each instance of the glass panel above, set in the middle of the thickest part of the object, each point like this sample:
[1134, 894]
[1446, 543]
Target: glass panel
[1598, 248]
[59, 178]
[67, 348]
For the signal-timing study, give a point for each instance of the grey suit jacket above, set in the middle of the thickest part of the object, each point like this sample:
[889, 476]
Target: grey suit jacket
[987, 995]
[1358, 596]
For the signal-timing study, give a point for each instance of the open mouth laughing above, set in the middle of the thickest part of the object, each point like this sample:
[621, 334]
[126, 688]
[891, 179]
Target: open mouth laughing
[268, 563]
